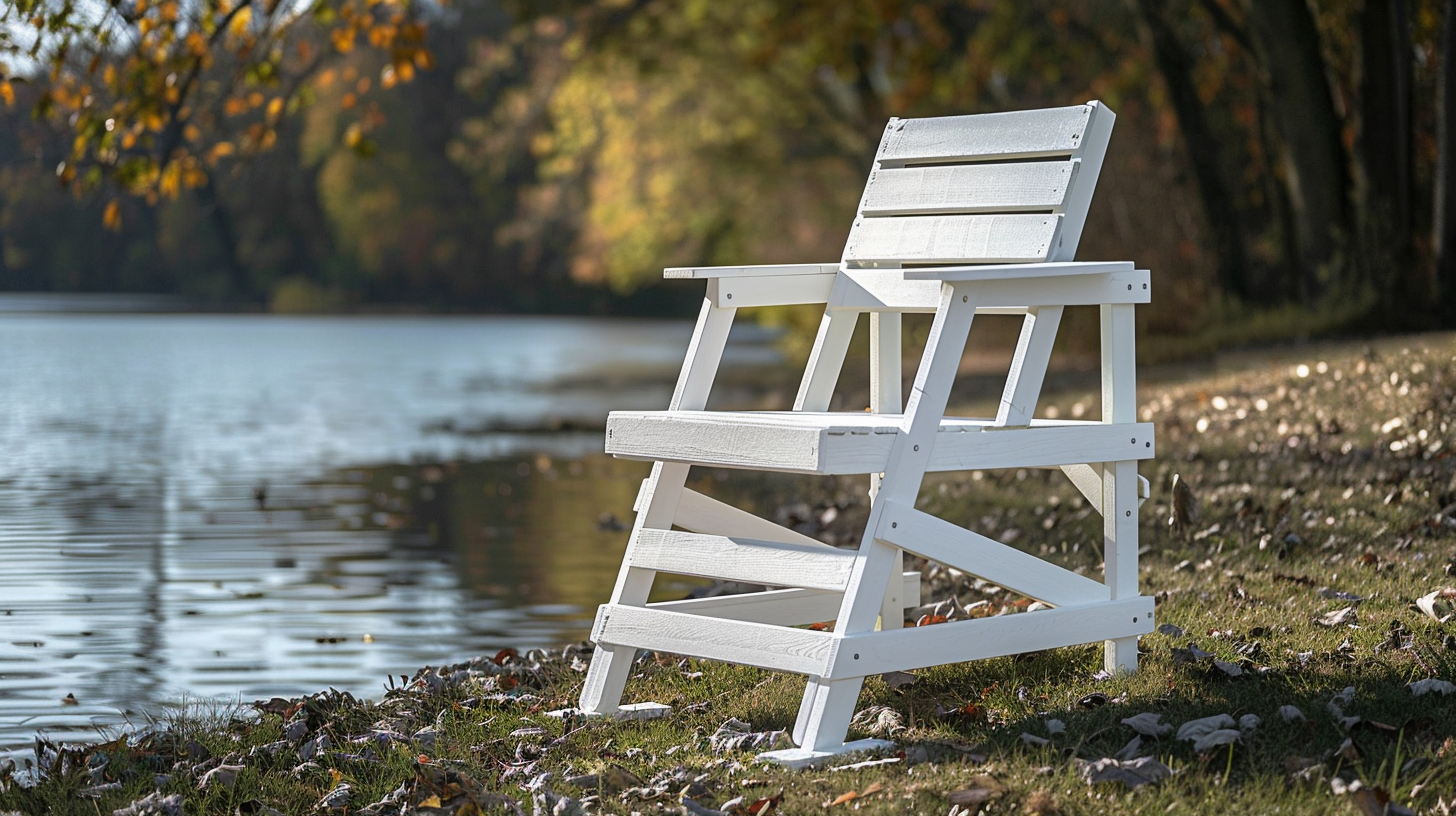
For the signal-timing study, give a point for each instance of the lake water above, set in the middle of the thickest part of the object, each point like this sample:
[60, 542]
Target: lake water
[248, 506]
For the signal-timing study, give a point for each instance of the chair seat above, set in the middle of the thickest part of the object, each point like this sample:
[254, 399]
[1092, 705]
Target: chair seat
[850, 443]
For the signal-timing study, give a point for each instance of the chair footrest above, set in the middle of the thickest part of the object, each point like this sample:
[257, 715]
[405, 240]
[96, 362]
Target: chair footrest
[848, 443]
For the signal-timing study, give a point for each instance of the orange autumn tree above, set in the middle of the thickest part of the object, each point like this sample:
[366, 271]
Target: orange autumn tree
[156, 95]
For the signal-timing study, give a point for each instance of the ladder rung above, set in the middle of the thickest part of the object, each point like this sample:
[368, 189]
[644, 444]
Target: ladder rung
[743, 559]
[803, 651]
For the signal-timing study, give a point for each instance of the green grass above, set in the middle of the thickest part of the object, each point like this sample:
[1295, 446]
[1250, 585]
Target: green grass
[1315, 491]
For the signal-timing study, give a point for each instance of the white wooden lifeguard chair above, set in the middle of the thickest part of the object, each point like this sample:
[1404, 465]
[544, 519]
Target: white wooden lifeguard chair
[962, 215]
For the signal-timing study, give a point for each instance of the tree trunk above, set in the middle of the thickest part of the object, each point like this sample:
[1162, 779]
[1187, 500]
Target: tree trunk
[1443, 227]
[227, 239]
[1309, 150]
[1176, 66]
[1387, 255]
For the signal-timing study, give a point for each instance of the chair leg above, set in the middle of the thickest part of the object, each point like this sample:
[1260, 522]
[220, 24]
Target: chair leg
[1120, 553]
[611, 665]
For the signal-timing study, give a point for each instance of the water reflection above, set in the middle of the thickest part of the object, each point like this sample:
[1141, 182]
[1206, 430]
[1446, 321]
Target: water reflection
[249, 506]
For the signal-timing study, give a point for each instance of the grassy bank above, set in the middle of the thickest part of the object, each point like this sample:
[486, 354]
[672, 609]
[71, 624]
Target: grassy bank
[1326, 507]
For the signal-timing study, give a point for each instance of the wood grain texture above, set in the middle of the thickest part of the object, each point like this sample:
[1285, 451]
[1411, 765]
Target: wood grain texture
[959, 641]
[743, 559]
[845, 443]
[704, 514]
[752, 644]
[971, 188]
[970, 552]
[952, 239]
[1009, 135]
[763, 270]
[785, 607]
[1009, 286]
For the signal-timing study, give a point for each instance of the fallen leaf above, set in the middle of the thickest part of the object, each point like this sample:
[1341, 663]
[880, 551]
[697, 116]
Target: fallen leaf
[1055, 727]
[1439, 605]
[1148, 724]
[1230, 669]
[224, 776]
[1338, 617]
[1429, 685]
[1376, 802]
[1249, 722]
[849, 796]
[1290, 713]
[971, 799]
[1032, 739]
[432, 802]
[1197, 729]
[898, 679]
[1133, 773]
[878, 720]
[1213, 739]
[1170, 630]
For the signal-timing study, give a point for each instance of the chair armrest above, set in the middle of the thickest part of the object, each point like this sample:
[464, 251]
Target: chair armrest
[767, 270]
[1030, 270]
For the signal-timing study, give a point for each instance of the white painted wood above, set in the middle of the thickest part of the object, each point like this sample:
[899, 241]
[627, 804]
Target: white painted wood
[971, 188]
[1119, 478]
[785, 607]
[951, 239]
[1002, 234]
[800, 758]
[1017, 271]
[829, 702]
[959, 641]
[802, 651]
[826, 360]
[846, 443]
[915, 290]
[1079, 195]
[630, 711]
[885, 398]
[769, 270]
[743, 559]
[1009, 135]
[972, 553]
[760, 291]
[1088, 481]
[1029, 365]
[704, 514]
[607, 676]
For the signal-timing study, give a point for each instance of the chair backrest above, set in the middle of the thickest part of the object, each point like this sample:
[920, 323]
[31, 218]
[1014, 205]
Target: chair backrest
[988, 188]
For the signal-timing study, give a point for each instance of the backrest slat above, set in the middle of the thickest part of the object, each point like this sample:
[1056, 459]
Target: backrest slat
[971, 188]
[988, 136]
[951, 239]
[982, 189]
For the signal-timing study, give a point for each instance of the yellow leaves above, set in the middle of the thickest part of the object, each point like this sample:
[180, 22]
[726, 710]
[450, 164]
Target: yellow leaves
[235, 106]
[192, 133]
[108, 76]
[343, 39]
[196, 44]
[405, 71]
[325, 79]
[240, 22]
[141, 7]
[7, 93]
[387, 78]
[221, 150]
[168, 11]
[353, 135]
[154, 122]
[362, 86]
[170, 184]
[128, 140]
[348, 101]
[255, 99]
[111, 217]
[432, 802]
[275, 108]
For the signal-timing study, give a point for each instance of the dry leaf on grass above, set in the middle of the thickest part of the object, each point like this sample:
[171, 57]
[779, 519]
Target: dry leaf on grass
[1439, 605]
[1133, 773]
[1339, 617]
[1148, 724]
[850, 796]
[1431, 684]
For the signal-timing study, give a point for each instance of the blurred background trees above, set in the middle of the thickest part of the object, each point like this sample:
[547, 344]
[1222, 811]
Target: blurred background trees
[1284, 166]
